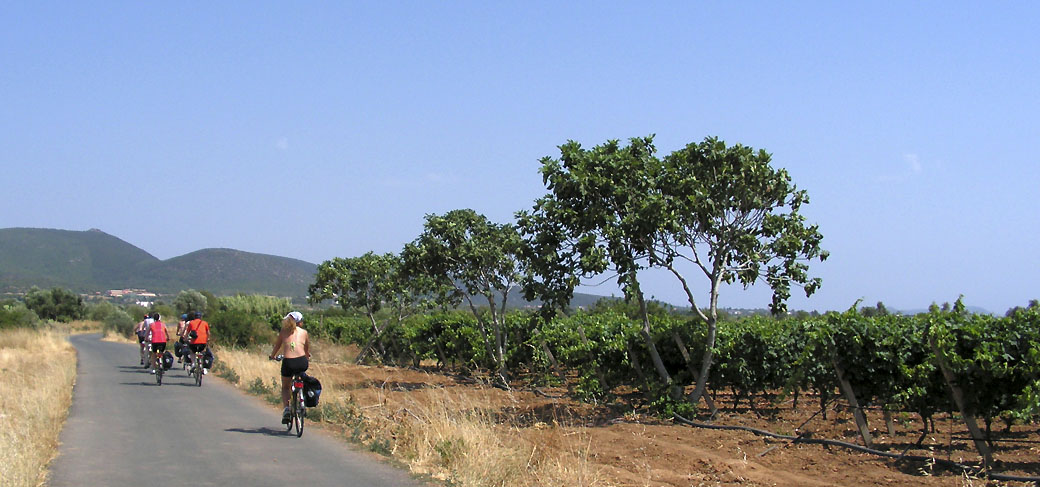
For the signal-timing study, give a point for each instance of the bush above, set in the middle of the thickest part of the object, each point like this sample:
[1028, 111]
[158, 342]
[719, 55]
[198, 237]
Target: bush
[56, 304]
[100, 311]
[120, 322]
[235, 328]
[14, 314]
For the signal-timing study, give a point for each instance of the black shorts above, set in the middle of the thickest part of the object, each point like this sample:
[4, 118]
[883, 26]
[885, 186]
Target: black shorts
[140, 339]
[293, 366]
[197, 347]
[159, 347]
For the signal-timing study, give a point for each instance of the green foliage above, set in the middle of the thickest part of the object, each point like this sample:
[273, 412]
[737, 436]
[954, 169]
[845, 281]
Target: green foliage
[367, 284]
[120, 322]
[190, 301]
[100, 311]
[462, 257]
[14, 314]
[56, 304]
[729, 200]
[994, 360]
[237, 328]
[257, 305]
[354, 330]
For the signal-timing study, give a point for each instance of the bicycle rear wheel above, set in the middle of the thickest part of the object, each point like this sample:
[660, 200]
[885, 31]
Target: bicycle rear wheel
[198, 374]
[158, 372]
[299, 413]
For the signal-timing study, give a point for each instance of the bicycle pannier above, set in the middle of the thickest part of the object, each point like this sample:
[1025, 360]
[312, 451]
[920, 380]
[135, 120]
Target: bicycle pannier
[207, 359]
[311, 390]
[167, 360]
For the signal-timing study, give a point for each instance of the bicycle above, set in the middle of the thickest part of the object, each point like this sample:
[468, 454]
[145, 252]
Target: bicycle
[196, 368]
[297, 407]
[159, 368]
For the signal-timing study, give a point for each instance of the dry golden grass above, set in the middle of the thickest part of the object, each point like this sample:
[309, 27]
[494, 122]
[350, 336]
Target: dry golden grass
[37, 370]
[112, 336]
[79, 326]
[446, 435]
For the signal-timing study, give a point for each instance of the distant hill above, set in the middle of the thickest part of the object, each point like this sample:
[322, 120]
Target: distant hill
[95, 261]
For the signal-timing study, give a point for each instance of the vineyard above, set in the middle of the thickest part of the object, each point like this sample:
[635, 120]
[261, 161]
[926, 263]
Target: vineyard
[887, 367]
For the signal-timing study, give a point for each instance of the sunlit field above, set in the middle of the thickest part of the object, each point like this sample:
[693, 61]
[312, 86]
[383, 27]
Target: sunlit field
[446, 435]
[37, 371]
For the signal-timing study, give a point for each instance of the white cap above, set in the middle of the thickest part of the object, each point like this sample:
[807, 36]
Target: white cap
[296, 316]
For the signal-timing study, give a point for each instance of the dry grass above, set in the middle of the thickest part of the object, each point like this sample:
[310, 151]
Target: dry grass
[79, 327]
[457, 437]
[113, 336]
[37, 370]
[452, 436]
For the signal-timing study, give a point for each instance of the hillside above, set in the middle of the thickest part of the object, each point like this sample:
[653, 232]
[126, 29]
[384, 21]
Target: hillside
[95, 261]
[78, 260]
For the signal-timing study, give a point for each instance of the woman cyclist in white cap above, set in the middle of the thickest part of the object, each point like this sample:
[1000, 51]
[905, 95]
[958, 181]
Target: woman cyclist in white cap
[295, 345]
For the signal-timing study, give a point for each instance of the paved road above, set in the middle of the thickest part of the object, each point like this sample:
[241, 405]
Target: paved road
[124, 430]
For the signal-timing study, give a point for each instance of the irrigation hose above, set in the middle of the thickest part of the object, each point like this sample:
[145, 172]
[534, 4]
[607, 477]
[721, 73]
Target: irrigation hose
[852, 446]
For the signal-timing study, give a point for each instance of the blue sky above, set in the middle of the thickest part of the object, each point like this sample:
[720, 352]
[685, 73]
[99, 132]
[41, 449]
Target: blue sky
[331, 129]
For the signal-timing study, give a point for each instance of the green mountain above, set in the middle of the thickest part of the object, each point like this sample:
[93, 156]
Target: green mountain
[95, 261]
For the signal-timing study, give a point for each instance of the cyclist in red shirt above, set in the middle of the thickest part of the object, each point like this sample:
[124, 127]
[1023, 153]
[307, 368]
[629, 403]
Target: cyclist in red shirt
[201, 331]
[160, 335]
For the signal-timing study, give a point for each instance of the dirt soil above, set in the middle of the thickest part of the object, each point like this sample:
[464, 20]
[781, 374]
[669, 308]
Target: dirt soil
[635, 449]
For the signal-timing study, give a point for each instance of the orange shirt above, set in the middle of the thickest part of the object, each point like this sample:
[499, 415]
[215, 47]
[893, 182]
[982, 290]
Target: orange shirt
[201, 328]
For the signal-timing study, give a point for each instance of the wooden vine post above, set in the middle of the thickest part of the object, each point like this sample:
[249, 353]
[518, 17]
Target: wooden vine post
[850, 395]
[958, 399]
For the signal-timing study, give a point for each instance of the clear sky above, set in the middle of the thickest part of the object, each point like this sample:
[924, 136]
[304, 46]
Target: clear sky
[330, 129]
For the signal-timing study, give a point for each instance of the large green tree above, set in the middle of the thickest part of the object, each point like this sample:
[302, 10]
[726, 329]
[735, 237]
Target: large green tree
[466, 258]
[722, 210]
[55, 304]
[736, 219]
[373, 284]
[601, 215]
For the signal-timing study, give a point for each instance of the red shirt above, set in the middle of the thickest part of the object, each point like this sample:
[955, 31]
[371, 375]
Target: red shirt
[159, 332]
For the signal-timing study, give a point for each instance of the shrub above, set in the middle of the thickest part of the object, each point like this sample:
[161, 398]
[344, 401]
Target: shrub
[120, 322]
[235, 328]
[15, 314]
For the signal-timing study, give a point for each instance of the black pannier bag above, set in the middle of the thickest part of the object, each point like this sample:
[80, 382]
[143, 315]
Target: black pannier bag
[178, 348]
[167, 360]
[207, 359]
[311, 390]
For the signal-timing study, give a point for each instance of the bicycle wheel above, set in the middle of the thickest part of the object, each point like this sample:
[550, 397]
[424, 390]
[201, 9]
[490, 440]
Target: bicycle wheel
[198, 374]
[158, 370]
[299, 413]
[292, 417]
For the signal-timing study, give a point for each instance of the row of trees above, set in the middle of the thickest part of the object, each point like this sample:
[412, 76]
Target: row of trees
[721, 211]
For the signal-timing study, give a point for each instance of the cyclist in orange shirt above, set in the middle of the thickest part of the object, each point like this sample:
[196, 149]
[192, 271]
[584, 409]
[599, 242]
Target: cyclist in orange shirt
[201, 340]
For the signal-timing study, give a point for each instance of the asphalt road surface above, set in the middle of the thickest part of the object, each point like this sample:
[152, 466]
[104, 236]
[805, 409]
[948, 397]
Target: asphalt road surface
[124, 430]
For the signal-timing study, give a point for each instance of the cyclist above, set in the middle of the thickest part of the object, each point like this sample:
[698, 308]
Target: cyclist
[295, 345]
[198, 344]
[141, 330]
[181, 325]
[160, 335]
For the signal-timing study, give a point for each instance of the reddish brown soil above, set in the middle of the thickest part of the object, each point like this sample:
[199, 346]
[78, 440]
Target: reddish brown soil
[635, 449]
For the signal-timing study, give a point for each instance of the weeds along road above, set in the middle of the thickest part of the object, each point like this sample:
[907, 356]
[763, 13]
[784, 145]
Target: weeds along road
[124, 430]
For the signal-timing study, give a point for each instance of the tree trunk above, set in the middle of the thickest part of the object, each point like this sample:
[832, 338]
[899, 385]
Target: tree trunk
[693, 370]
[655, 357]
[706, 361]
